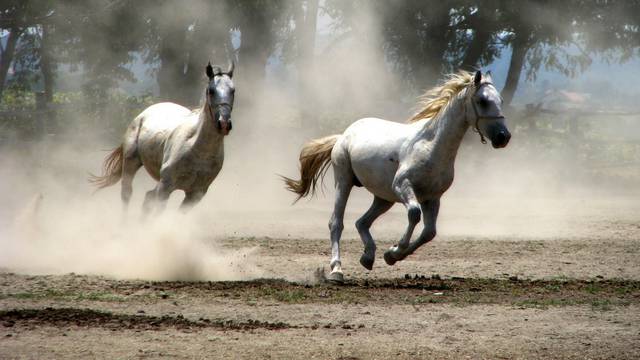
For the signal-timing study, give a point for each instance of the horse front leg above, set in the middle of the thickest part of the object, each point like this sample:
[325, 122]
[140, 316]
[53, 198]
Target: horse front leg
[148, 203]
[405, 192]
[191, 198]
[156, 200]
[163, 190]
[430, 211]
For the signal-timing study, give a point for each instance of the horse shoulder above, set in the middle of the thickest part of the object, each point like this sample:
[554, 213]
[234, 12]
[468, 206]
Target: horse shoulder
[164, 116]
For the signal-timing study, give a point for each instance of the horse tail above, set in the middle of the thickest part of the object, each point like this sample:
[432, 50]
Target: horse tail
[111, 170]
[315, 158]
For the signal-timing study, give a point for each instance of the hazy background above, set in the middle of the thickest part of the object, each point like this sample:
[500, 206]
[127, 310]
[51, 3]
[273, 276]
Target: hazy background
[74, 73]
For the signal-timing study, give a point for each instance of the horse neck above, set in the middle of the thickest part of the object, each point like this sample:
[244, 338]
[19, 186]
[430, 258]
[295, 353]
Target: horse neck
[447, 129]
[207, 136]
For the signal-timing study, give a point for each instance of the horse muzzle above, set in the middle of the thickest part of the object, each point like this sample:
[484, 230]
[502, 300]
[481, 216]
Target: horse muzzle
[501, 138]
[224, 126]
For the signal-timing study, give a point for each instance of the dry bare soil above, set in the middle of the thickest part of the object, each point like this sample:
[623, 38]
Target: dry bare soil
[459, 297]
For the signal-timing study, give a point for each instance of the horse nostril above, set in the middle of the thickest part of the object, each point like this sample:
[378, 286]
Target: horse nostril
[501, 137]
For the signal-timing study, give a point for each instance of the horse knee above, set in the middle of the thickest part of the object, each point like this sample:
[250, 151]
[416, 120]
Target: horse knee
[414, 214]
[362, 225]
[428, 233]
[163, 190]
[335, 225]
[149, 195]
[126, 192]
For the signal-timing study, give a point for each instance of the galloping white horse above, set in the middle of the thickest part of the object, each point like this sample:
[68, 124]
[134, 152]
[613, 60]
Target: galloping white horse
[180, 148]
[408, 163]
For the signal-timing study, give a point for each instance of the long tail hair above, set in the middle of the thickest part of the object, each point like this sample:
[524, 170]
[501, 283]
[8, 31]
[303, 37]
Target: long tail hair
[111, 170]
[315, 158]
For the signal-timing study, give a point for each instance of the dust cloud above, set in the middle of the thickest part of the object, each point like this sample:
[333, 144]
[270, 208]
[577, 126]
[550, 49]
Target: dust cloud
[62, 227]
[52, 222]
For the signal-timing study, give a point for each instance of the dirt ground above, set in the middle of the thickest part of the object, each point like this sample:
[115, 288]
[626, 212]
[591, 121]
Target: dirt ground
[459, 297]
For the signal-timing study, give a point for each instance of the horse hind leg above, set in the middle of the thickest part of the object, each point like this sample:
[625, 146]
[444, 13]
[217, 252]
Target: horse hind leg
[131, 162]
[336, 225]
[378, 207]
[129, 168]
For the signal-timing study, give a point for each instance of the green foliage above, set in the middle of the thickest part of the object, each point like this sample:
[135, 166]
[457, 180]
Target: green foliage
[73, 111]
[293, 296]
[420, 38]
[14, 98]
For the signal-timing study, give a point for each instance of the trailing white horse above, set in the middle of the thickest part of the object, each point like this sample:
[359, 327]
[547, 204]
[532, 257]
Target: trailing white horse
[180, 148]
[409, 163]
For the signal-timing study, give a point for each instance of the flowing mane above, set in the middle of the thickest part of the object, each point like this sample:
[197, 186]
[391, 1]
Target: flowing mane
[436, 99]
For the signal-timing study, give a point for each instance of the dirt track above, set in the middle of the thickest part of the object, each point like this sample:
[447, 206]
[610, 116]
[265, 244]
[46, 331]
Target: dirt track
[577, 298]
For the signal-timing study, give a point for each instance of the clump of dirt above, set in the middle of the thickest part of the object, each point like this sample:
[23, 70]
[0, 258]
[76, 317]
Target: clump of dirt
[409, 289]
[62, 317]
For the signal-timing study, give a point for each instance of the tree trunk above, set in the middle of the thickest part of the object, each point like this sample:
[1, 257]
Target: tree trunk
[199, 51]
[172, 62]
[306, 26]
[46, 63]
[484, 24]
[210, 41]
[6, 56]
[433, 45]
[479, 44]
[520, 47]
[256, 44]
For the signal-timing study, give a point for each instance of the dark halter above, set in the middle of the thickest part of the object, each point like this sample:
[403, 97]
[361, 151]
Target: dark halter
[209, 106]
[478, 117]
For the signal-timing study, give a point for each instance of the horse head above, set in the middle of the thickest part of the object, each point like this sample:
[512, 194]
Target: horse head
[220, 95]
[486, 115]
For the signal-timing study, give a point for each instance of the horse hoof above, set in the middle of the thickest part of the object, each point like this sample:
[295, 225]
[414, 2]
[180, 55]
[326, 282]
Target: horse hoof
[367, 261]
[388, 258]
[336, 277]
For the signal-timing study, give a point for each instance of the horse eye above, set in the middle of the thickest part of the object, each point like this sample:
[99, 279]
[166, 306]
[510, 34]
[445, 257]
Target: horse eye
[483, 102]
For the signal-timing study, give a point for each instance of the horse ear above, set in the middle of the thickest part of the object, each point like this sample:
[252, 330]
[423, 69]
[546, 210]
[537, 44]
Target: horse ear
[232, 65]
[487, 76]
[209, 70]
[477, 78]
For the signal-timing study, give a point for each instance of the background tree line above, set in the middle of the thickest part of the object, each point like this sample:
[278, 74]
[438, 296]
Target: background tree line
[418, 39]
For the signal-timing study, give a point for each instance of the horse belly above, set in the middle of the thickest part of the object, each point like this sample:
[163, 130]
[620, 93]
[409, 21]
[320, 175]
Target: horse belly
[195, 173]
[374, 162]
[377, 177]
